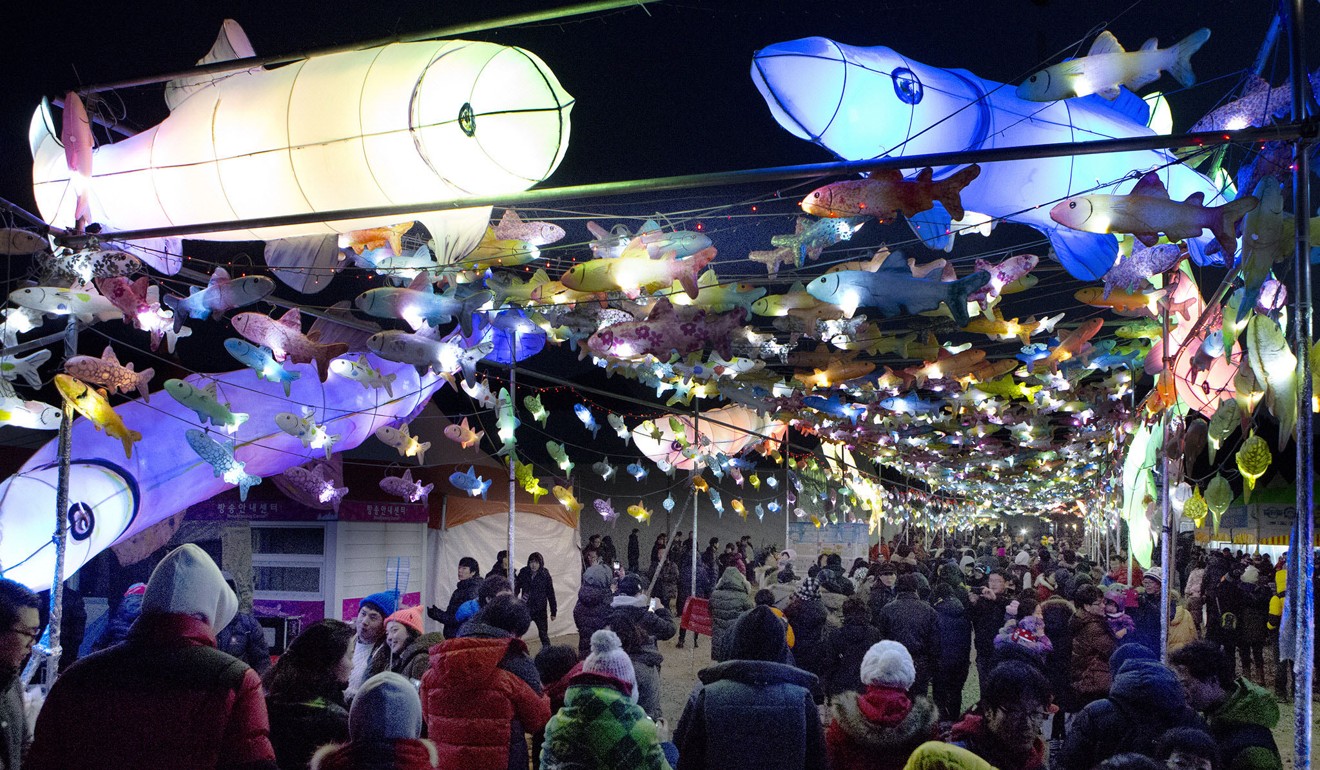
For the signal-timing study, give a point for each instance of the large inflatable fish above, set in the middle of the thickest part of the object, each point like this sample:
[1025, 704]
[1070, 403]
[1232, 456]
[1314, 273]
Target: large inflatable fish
[401, 124]
[112, 499]
[863, 103]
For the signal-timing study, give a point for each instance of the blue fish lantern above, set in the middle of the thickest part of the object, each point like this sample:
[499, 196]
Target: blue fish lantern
[637, 471]
[772, 482]
[864, 103]
[588, 419]
[716, 501]
[515, 337]
[772, 506]
[760, 512]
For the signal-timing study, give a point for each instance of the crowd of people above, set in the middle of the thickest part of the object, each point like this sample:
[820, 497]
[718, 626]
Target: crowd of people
[857, 667]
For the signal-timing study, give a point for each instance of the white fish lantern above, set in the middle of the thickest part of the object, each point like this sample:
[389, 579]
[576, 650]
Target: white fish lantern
[401, 124]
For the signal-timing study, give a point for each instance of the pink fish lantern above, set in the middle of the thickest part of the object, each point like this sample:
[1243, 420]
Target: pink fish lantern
[1202, 387]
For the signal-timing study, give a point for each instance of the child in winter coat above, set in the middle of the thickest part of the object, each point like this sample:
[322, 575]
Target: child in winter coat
[880, 727]
[1116, 617]
[384, 730]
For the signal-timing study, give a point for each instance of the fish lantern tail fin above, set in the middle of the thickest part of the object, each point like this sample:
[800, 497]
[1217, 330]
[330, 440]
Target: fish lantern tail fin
[1226, 229]
[949, 191]
[1181, 68]
[144, 383]
[471, 307]
[958, 291]
[325, 354]
[239, 419]
[421, 452]
[130, 438]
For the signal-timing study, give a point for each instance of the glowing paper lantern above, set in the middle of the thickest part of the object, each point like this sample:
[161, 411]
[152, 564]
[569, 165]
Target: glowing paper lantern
[401, 124]
[1218, 496]
[1253, 459]
[728, 431]
[869, 102]
[1196, 507]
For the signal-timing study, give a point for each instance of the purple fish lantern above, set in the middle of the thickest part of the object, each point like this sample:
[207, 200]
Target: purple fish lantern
[606, 510]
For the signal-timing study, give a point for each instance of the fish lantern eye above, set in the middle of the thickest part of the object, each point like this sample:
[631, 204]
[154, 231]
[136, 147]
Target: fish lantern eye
[1072, 204]
[81, 521]
[466, 120]
[907, 86]
[1031, 79]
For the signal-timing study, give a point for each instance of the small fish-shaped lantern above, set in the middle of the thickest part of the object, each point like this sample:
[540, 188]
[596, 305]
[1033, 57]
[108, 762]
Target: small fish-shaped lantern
[316, 484]
[640, 512]
[204, 403]
[605, 470]
[716, 501]
[760, 512]
[1218, 496]
[772, 482]
[306, 430]
[737, 505]
[668, 504]
[566, 498]
[886, 194]
[260, 361]
[513, 228]
[700, 484]
[221, 459]
[94, 405]
[522, 473]
[480, 392]
[403, 441]
[1106, 67]
[616, 422]
[588, 419]
[360, 372]
[12, 367]
[505, 422]
[220, 295]
[1253, 459]
[539, 413]
[463, 434]
[560, 456]
[755, 480]
[33, 415]
[470, 482]
[773, 506]
[637, 471]
[107, 372]
[606, 509]
[404, 486]
[1222, 423]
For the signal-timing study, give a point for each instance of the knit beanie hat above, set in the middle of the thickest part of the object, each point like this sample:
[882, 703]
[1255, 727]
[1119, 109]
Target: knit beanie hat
[1130, 651]
[384, 602]
[597, 576]
[1250, 575]
[187, 582]
[387, 708]
[810, 589]
[607, 658]
[630, 585]
[410, 617]
[758, 634]
[888, 664]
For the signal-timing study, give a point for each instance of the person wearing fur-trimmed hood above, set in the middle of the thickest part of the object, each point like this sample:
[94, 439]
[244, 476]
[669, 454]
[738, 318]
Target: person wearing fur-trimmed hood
[384, 728]
[881, 726]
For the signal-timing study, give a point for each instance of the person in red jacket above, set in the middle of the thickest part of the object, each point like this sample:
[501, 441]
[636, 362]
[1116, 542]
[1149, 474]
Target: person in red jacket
[166, 697]
[476, 710]
[879, 728]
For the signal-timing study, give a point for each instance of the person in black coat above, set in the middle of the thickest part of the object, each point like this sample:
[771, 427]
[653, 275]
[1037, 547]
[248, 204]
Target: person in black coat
[634, 552]
[913, 623]
[955, 658]
[882, 592]
[987, 611]
[305, 693]
[592, 611]
[469, 580]
[807, 615]
[535, 587]
[845, 647]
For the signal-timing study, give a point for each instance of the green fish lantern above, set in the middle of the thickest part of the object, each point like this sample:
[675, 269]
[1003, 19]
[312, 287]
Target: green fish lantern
[539, 413]
[1218, 496]
[1196, 508]
[1253, 459]
[1274, 365]
[1224, 421]
[1247, 392]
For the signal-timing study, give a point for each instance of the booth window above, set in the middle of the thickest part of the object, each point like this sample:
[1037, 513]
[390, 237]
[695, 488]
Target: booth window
[288, 561]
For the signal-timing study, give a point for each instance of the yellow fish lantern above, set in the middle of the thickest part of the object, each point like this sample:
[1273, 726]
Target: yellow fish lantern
[567, 499]
[639, 512]
[1223, 423]
[1196, 507]
[1218, 496]
[737, 505]
[1253, 459]
[1274, 365]
[95, 406]
[699, 483]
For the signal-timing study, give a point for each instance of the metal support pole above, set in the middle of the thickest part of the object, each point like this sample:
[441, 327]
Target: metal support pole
[696, 544]
[1304, 534]
[1166, 506]
[788, 509]
[61, 518]
[513, 455]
